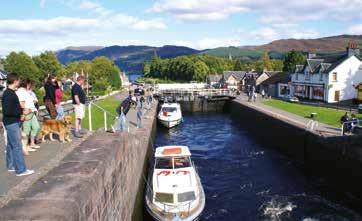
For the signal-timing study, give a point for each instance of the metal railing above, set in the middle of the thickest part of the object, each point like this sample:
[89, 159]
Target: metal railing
[105, 114]
[200, 92]
[312, 125]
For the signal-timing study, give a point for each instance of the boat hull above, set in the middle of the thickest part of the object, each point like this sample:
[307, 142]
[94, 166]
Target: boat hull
[156, 215]
[170, 123]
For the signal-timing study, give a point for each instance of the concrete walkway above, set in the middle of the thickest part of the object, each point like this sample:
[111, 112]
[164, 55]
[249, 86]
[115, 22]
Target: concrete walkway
[46, 158]
[302, 122]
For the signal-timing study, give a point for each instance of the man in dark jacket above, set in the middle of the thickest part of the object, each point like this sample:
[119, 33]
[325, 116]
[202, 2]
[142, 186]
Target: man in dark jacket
[49, 98]
[12, 113]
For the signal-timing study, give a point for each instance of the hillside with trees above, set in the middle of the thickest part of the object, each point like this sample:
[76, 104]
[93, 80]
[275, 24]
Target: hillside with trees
[198, 67]
[103, 73]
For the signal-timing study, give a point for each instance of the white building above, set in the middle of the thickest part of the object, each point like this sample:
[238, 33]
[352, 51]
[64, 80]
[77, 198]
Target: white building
[329, 78]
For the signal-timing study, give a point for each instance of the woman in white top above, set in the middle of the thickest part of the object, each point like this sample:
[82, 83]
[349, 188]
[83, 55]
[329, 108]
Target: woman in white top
[30, 126]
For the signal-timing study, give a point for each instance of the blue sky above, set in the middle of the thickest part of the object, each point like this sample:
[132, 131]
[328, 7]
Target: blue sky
[37, 25]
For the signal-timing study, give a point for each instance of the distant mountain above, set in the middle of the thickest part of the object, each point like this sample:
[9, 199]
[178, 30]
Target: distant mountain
[131, 58]
[327, 44]
[245, 53]
[128, 58]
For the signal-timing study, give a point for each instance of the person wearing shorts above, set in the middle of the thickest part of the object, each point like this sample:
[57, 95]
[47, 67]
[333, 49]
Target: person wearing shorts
[79, 99]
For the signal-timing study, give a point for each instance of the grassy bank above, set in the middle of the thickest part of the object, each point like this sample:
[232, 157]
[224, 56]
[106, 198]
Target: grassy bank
[325, 115]
[110, 104]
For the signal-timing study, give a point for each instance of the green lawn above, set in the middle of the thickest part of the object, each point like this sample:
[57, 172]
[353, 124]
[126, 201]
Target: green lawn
[109, 104]
[324, 115]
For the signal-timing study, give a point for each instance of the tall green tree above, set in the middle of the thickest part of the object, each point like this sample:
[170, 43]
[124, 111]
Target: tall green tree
[277, 65]
[291, 59]
[22, 64]
[78, 67]
[238, 66]
[47, 63]
[267, 65]
[103, 69]
[201, 71]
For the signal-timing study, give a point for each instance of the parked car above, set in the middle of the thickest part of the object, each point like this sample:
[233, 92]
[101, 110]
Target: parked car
[291, 99]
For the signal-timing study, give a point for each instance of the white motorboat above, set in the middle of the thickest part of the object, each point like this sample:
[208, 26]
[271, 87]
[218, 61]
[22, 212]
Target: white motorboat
[170, 115]
[174, 190]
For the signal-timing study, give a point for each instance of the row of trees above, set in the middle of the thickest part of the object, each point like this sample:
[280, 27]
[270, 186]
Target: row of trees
[102, 71]
[185, 68]
[198, 67]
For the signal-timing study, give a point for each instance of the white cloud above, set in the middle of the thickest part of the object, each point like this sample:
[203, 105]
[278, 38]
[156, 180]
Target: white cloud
[270, 10]
[355, 29]
[102, 26]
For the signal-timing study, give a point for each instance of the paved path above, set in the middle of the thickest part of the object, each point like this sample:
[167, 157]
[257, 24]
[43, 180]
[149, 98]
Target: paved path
[131, 117]
[46, 158]
[322, 129]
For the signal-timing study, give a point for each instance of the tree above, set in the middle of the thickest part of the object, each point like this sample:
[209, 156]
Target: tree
[146, 68]
[78, 67]
[48, 63]
[201, 71]
[277, 65]
[266, 62]
[238, 66]
[102, 68]
[291, 59]
[23, 65]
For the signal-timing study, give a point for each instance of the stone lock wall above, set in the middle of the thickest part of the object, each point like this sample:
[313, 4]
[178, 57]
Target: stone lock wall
[337, 160]
[100, 180]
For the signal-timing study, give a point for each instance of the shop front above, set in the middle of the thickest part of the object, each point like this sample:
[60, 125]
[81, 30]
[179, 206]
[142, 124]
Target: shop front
[309, 91]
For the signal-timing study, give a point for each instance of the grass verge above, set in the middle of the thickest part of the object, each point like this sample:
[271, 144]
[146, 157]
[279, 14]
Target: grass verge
[325, 115]
[110, 104]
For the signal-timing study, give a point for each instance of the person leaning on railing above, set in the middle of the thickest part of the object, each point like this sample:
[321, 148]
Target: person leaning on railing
[12, 113]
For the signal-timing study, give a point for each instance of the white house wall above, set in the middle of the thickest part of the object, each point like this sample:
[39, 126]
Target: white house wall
[349, 73]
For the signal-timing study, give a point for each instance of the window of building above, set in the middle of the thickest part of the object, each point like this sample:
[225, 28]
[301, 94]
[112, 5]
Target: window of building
[334, 76]
[318, 92]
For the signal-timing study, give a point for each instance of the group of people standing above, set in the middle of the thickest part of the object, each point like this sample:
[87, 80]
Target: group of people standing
[139, 102]
[349, 123]
[20, 107]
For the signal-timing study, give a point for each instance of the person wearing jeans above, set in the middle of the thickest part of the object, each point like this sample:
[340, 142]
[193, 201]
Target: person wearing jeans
[12, 113]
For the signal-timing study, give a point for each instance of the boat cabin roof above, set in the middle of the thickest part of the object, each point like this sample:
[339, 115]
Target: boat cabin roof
[172, 151]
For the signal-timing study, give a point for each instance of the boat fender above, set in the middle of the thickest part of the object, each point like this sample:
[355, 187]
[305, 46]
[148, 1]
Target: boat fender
[183, 171]
[166, 173]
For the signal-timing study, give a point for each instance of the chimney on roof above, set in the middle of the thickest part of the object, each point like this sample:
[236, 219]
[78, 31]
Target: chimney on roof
[312, 53]
[353, 49]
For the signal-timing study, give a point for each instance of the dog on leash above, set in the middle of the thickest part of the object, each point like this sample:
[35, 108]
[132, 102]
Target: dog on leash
[60, 127]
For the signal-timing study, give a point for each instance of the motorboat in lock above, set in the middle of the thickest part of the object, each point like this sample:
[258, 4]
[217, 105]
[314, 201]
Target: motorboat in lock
[174, 190]
[170, 115]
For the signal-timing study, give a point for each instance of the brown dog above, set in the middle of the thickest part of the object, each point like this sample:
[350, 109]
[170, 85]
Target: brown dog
[60, 127]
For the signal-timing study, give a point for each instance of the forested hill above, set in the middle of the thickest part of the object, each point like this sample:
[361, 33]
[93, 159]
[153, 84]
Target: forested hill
[131, 58]
[128, 58]
[327, 44]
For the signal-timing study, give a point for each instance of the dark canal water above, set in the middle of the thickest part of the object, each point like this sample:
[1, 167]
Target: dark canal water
[245, 179]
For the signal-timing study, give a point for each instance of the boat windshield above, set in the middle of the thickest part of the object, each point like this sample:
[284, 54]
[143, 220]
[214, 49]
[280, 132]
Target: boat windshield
[179, 162]
[169, 109]
[182, 162]
[164, 163]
